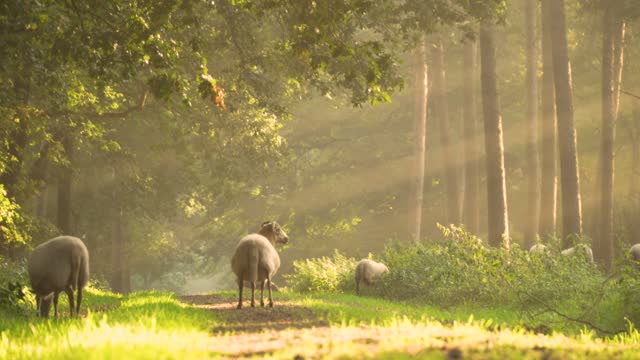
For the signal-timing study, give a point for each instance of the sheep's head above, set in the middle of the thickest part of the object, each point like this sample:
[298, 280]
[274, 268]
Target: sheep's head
[273, 231]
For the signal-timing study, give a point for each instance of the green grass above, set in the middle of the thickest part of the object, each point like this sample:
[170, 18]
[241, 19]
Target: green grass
[156, 325]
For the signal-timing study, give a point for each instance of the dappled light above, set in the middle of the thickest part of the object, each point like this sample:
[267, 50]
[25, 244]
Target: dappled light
[338, 179]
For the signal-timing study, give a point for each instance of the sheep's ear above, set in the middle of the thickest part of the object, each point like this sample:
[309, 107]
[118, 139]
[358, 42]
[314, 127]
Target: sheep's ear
[266, 224]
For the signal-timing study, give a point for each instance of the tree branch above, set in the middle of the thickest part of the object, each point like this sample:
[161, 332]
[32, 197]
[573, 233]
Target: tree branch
[630, 94]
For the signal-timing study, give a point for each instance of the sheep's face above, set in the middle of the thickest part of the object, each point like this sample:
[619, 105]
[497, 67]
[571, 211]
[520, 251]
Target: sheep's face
[274, 232]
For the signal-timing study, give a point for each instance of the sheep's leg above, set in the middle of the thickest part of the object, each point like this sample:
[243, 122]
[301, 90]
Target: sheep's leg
[70, 295]
[79, 301]
[240, 285]
[269, 285]
[253, 294]
[262, 293]
[357, 287]
[55, 303]
[39, 305]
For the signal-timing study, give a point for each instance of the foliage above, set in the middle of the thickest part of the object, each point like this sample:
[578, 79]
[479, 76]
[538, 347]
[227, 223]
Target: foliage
[14, 294]
[330, 274]
[459, 270]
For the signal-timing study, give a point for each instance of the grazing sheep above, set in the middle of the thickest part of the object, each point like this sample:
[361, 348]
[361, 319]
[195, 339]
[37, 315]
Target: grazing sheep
[583, 249]
[635, 254]
[256, 260]
[274, 287]
[57, 265]
[538, 249]
[367, 271]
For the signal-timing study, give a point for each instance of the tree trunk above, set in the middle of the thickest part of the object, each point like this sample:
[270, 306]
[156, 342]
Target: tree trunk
[494, 146]
[569, 176]
[441, 114]
[533, 164]
[64, 189]
[117, 253]
[549, 182]
[471, 138]
[612, 35]
[420, 133]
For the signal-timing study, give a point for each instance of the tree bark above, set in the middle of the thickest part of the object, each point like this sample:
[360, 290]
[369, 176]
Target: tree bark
[569, 176]
[472, 149]
[549, 181]
[533, 163]
[612, 60]
[64, 189]
[420, 132]
[498, 218]
[441, 114]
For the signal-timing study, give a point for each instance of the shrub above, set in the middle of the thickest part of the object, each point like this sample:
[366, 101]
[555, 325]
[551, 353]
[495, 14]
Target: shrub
[14, 292]
[329, 274]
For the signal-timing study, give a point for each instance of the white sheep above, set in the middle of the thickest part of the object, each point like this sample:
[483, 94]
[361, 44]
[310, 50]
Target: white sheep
[583, 249]
[59, 264]
[368, 271]
[635, 253]
[538, 249]
[256, 260]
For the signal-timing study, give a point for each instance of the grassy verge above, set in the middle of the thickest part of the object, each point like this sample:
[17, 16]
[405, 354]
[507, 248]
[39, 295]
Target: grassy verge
[152, 325]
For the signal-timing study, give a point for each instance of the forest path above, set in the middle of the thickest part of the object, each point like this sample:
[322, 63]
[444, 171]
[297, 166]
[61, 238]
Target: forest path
[310, 328]
[292, 330]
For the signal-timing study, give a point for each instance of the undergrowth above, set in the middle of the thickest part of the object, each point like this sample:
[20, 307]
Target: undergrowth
[459, 270]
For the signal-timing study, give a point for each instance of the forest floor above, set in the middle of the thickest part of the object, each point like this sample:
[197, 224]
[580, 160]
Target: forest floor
[335, 326]
[153, 325]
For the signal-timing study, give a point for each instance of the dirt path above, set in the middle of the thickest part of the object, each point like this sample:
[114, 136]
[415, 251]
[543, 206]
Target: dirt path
[259, 332]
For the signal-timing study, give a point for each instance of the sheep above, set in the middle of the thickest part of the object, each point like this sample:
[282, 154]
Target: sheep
[57, 265]
[367, 271]
[256, 259]
[538, 249]
[635, 254]
[583, 249]
[274, 287]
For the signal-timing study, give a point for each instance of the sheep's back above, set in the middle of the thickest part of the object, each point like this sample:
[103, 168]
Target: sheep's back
[368, 270]
[269, 260]
[50, 264]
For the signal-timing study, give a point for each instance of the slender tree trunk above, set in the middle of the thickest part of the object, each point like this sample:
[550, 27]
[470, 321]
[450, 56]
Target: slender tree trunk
[64, 189]
[549, 182]
[494, 146]
[441, 114]
[533, 164]
[471, 138]
[612, 36]
[420, 133]
[117, 252]
[569, 176]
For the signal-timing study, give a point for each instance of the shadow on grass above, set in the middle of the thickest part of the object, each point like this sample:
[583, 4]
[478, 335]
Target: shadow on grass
[284, 315]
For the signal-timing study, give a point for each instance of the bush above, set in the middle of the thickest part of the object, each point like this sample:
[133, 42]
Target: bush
[14, 292]
[328, 274]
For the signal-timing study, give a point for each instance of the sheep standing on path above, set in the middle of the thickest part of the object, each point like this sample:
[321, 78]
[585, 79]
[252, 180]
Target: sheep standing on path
[582, 249]
[256, 259]
[59, 264]
[367, 271]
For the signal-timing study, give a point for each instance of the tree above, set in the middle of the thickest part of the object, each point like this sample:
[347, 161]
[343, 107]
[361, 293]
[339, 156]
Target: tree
[472, 150]
[533, 164]
[420, 137]
[498, 217]
[441, 114]
[569, 176]
[548, 178]
[612, 59]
